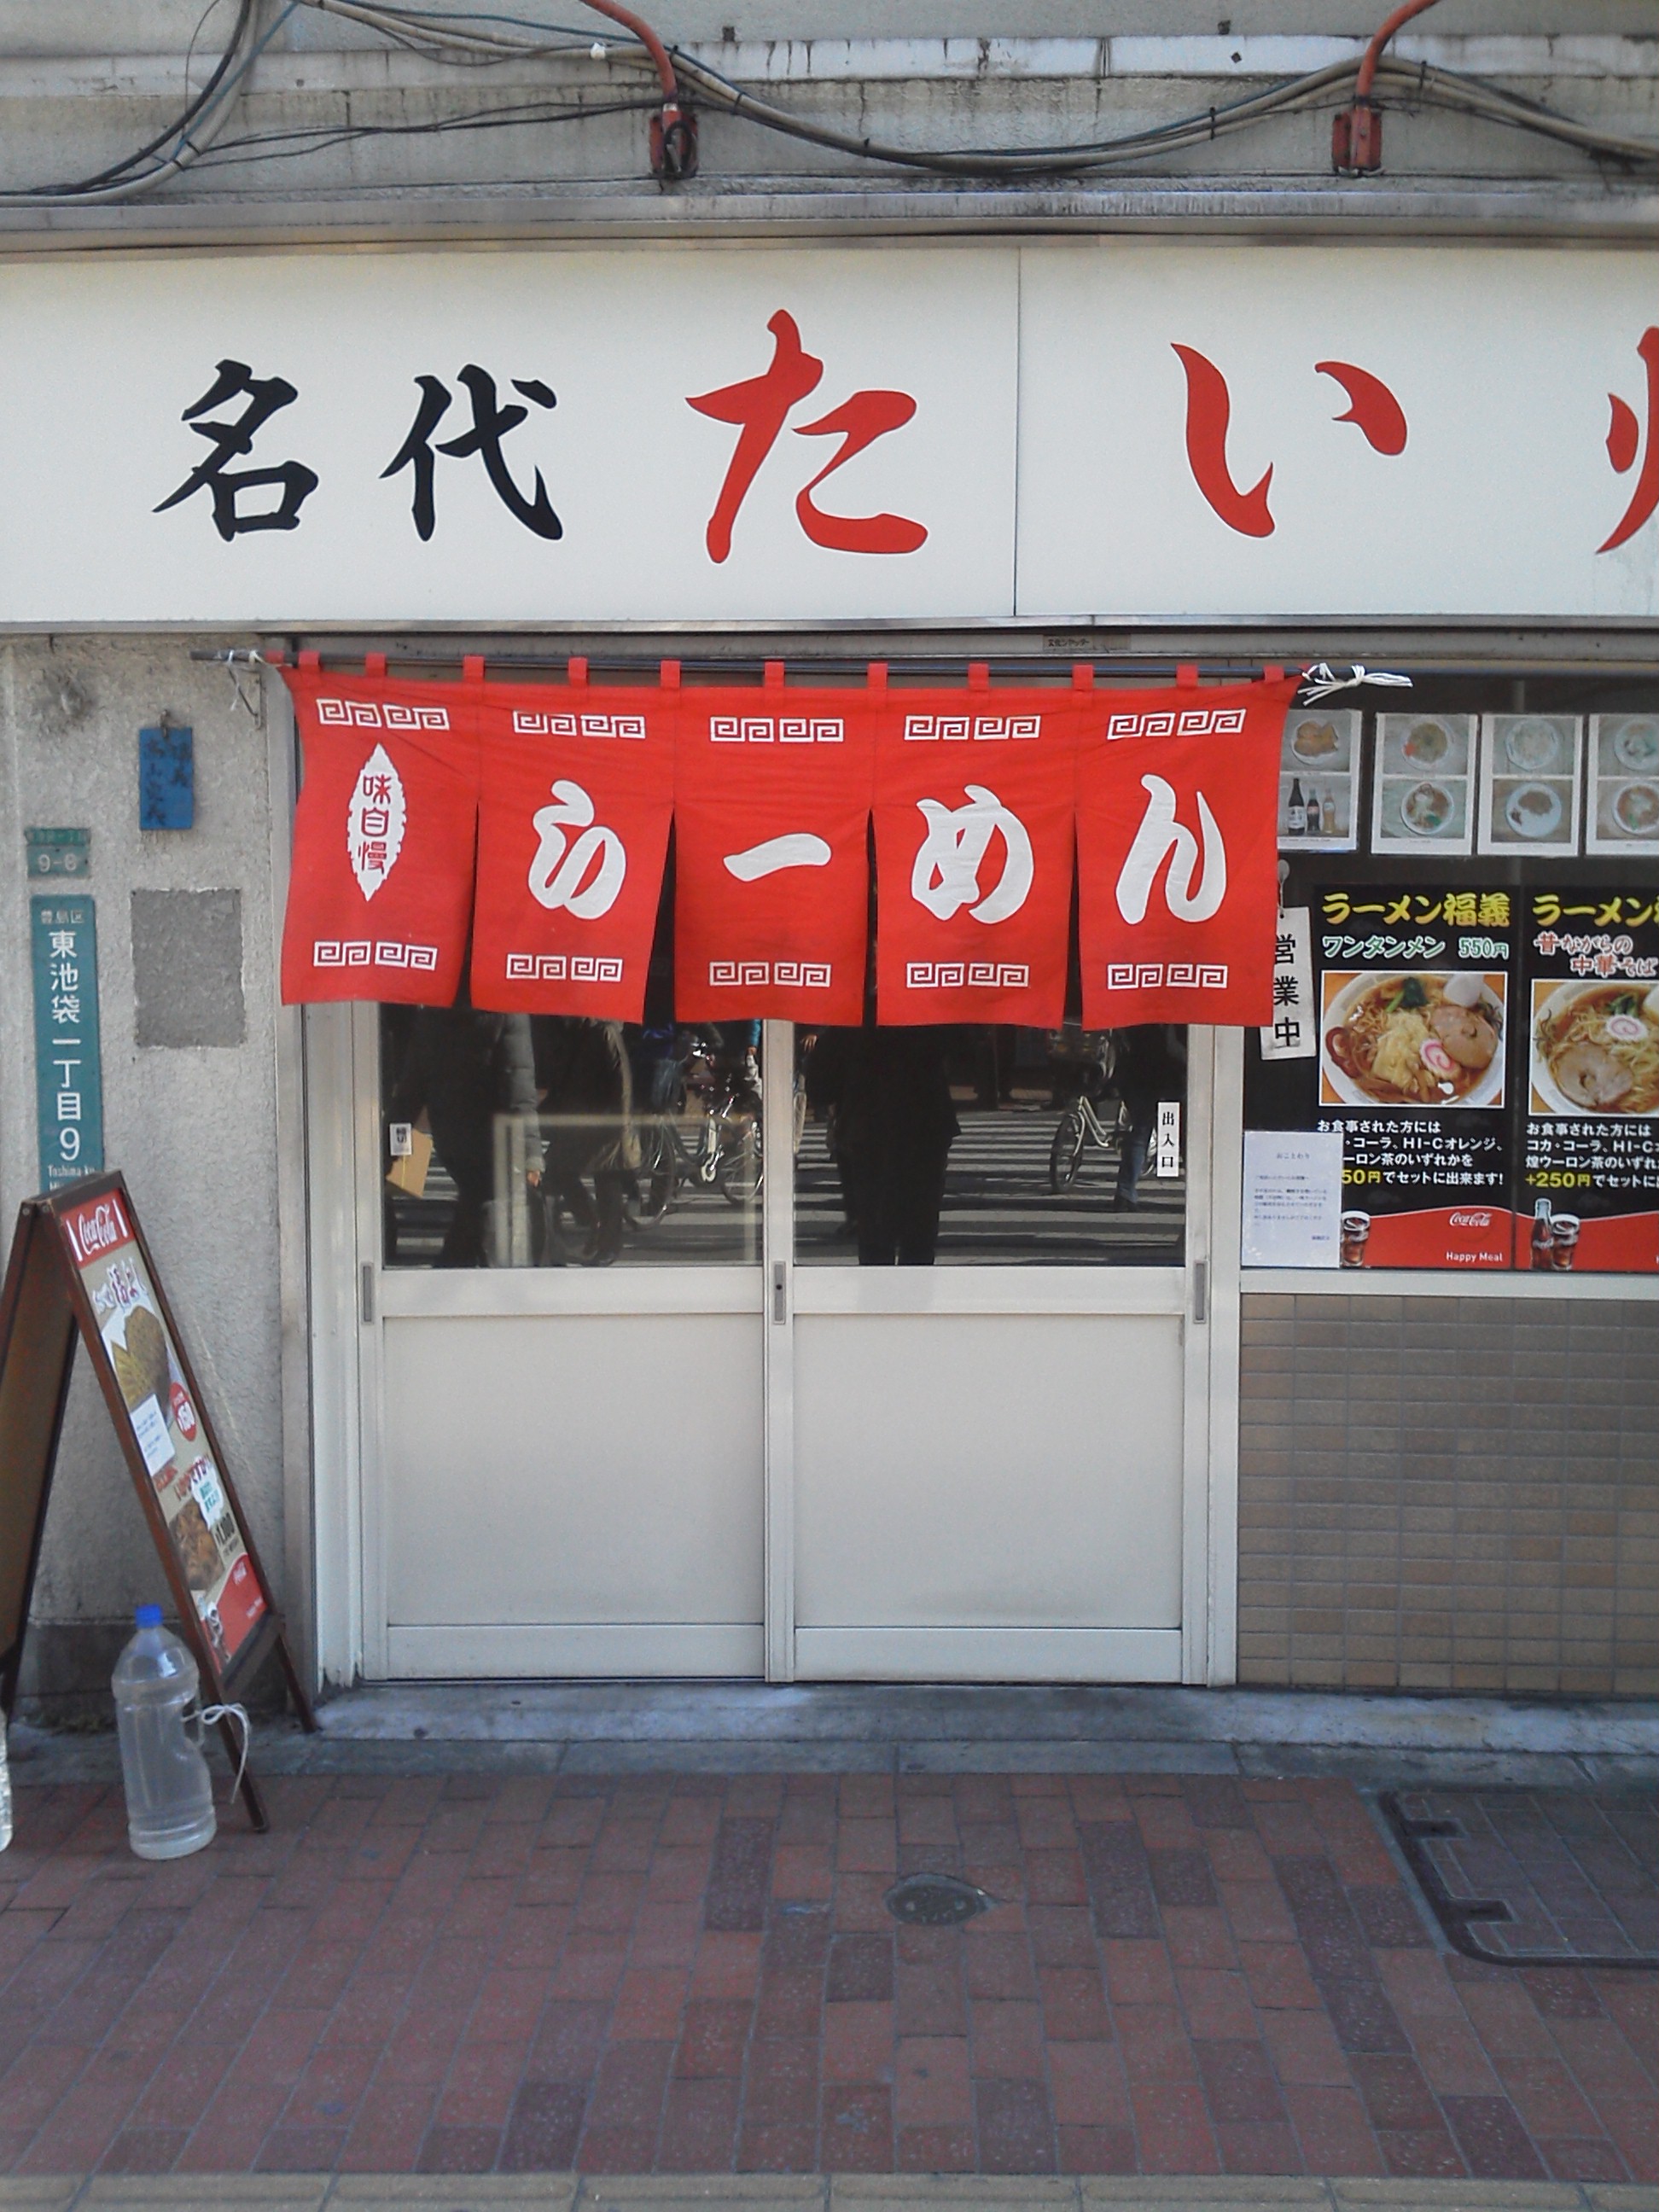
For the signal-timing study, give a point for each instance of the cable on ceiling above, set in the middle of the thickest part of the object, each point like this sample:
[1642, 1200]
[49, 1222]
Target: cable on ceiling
[463, 39]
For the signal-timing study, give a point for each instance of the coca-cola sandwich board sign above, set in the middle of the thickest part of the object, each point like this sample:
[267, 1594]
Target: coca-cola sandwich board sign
[79, 1263]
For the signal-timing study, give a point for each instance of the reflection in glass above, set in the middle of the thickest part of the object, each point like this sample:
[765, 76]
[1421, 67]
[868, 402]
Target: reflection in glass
[991, 1145]
[458, 1074]
[888, 1121]
[518, 1141]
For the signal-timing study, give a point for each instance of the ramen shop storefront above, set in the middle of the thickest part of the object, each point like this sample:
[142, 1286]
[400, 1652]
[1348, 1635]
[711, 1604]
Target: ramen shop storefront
[916, 1267]
[793, 1228]
[894, 1077]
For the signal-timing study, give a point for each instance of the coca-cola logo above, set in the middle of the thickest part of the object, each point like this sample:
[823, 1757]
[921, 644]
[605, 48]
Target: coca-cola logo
[98, 1229]
[1471, 1220]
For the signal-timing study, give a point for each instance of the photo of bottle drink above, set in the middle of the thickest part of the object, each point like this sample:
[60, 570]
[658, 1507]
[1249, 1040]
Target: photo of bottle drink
[1543, 1235]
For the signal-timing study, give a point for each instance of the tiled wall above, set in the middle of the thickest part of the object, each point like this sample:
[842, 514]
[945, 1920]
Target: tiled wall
[1449, 1494]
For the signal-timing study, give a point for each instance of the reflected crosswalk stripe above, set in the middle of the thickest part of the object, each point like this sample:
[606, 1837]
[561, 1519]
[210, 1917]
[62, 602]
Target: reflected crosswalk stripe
[998, 1208]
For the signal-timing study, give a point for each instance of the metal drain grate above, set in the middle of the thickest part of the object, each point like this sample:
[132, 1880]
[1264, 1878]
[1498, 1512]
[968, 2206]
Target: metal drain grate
[1536, 1877]
[935, 1900]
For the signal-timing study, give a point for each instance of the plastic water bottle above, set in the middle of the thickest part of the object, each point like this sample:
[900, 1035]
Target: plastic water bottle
[170, 1789]
[5, 1789]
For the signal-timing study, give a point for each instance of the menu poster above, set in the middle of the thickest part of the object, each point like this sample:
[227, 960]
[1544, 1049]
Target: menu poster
[1414, 989]
[1590, 1176]
[1319, 780]
[210, 1548]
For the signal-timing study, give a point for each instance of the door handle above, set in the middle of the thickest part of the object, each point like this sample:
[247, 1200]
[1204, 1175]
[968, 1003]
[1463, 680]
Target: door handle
[1200, 1291]
[365, 1292]
[779, 1293]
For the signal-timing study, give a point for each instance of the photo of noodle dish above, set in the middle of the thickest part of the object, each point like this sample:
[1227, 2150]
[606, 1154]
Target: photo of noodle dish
[1424, 1039]
[1596, 1048]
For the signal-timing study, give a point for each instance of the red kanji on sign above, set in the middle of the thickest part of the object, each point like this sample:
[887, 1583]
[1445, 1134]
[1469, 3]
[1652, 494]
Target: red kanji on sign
[1372, 408]
[1624, 442]
[760, 405]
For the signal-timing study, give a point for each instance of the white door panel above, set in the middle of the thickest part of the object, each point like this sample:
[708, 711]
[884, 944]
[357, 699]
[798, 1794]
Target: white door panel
[590, 1470]
[1008, 1471]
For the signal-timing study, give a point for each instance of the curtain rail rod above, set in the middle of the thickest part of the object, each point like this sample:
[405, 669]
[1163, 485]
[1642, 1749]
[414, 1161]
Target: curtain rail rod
[901, 667]
[954, 665]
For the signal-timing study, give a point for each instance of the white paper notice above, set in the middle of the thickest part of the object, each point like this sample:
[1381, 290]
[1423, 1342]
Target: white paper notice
[149, 1426]
[1292, 1199]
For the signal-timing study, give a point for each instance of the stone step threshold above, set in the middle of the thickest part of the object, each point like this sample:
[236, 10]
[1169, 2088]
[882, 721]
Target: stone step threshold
[602, 1728]
[562, 2192]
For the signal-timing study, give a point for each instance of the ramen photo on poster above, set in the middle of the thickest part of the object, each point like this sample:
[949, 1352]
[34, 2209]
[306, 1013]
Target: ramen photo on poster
[190, 1492]
[1430, 1038]
[1595, 1047]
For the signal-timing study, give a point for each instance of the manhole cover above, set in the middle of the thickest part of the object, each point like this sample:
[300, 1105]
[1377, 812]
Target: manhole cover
[936, 1900]
[1536, 1877]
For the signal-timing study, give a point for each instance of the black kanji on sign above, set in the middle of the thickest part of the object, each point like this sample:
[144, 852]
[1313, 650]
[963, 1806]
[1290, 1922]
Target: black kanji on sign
[229, 439]
[491, 422]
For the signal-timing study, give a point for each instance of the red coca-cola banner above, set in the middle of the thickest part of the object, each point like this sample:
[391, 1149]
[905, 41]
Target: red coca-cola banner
[772, 796]
[1178, 853]
[974, 810]
[577, 793]
[380, 895]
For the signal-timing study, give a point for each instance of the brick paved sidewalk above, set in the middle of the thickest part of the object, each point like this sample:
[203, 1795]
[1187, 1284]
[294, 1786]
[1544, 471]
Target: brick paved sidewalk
[1184, 1974]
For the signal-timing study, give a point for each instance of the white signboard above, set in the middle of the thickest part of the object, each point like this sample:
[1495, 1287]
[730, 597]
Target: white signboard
[667, 434]
[594, 488]
[1292, 1199]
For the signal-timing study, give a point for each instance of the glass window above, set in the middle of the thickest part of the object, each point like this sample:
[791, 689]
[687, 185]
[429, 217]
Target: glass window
[520, 1141]
[991, 1145]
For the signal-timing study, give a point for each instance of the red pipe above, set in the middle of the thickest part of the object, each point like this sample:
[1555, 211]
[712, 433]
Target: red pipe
[1357, 130]
[1373, 53]
[673, 130]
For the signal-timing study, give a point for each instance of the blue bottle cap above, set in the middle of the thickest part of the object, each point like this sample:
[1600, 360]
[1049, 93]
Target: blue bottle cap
[148, 1616]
